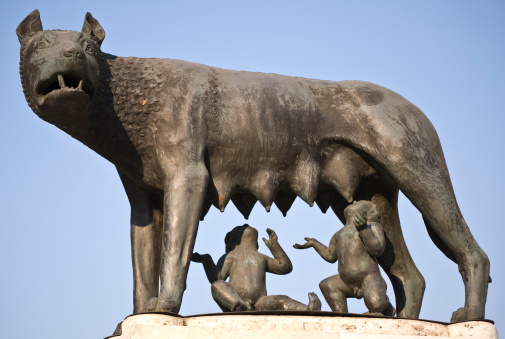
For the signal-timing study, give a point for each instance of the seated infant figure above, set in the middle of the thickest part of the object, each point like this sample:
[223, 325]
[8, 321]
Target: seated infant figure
[246, 269]
[356, 247]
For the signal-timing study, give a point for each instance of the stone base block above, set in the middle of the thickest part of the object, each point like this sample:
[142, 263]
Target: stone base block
[294, 325]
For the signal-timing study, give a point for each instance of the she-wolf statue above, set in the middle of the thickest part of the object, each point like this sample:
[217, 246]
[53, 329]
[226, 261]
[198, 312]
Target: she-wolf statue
[186, 136]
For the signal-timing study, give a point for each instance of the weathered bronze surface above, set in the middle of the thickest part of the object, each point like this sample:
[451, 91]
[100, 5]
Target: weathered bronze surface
[356, 247]
[246, 267]
[185, 136]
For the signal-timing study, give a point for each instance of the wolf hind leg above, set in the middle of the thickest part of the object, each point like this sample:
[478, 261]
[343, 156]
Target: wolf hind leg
[426, 183]
[444, 220]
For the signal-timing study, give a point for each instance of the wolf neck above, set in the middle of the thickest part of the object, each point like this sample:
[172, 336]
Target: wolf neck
[111, 131]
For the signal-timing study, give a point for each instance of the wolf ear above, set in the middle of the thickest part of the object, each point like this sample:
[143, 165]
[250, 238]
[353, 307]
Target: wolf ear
[92, 28]
[30, 25]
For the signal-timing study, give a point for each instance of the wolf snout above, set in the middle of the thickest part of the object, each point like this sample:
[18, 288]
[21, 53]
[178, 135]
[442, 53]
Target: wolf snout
[73, 51]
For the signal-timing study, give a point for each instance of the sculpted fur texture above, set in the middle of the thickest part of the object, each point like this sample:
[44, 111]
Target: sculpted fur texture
[186, 136]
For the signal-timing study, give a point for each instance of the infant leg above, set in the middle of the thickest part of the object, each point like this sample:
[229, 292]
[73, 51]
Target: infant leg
[227, 297]
[374, 294]
[335, 291]
[285, 303]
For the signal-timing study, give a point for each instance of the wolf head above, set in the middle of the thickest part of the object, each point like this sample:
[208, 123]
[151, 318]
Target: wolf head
[60, 70]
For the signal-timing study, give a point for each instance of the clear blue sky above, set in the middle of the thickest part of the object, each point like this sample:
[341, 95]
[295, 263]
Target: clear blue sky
[65, 269]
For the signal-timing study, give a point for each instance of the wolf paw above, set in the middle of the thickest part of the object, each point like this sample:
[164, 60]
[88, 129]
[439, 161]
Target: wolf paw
[161, 305]
[466, 314]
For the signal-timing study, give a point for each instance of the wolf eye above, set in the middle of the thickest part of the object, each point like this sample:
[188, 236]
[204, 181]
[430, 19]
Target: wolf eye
[41, 45]
[89, 49]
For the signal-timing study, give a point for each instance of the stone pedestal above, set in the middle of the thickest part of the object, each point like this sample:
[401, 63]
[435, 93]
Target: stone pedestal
[295, 325]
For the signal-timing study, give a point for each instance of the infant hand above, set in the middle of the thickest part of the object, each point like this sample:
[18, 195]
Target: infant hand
[360, 219]
[197, 257]
[311, 242]
[272, 238]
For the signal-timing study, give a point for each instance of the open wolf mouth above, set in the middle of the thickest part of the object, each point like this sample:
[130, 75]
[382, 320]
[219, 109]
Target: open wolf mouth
[63, 84]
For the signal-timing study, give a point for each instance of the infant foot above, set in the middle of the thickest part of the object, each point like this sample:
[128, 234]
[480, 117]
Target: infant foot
[240, 307]
[314, 302]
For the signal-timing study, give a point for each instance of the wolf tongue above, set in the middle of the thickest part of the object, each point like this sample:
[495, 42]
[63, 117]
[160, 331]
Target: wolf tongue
[61, 81]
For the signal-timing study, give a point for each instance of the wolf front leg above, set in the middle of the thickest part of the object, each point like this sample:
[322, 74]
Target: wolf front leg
[184, 193]
[146, 225]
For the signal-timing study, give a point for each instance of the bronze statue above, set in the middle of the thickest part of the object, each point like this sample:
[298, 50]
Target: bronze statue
[247, 268]
[185, 136]
[356, 247]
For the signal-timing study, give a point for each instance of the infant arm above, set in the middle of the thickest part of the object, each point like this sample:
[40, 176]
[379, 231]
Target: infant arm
[211, 270]
[372, 235]
[280, 263]
[225, 271]
[327, 253]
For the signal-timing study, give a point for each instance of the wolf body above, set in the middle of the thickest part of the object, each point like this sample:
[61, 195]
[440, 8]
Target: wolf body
[186, 136]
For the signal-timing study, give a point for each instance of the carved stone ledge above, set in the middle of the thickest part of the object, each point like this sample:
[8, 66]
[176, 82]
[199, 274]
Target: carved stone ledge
[294, 325]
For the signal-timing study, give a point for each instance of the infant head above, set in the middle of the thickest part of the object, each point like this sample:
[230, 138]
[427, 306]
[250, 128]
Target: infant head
[372, 212]
[239, 233]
